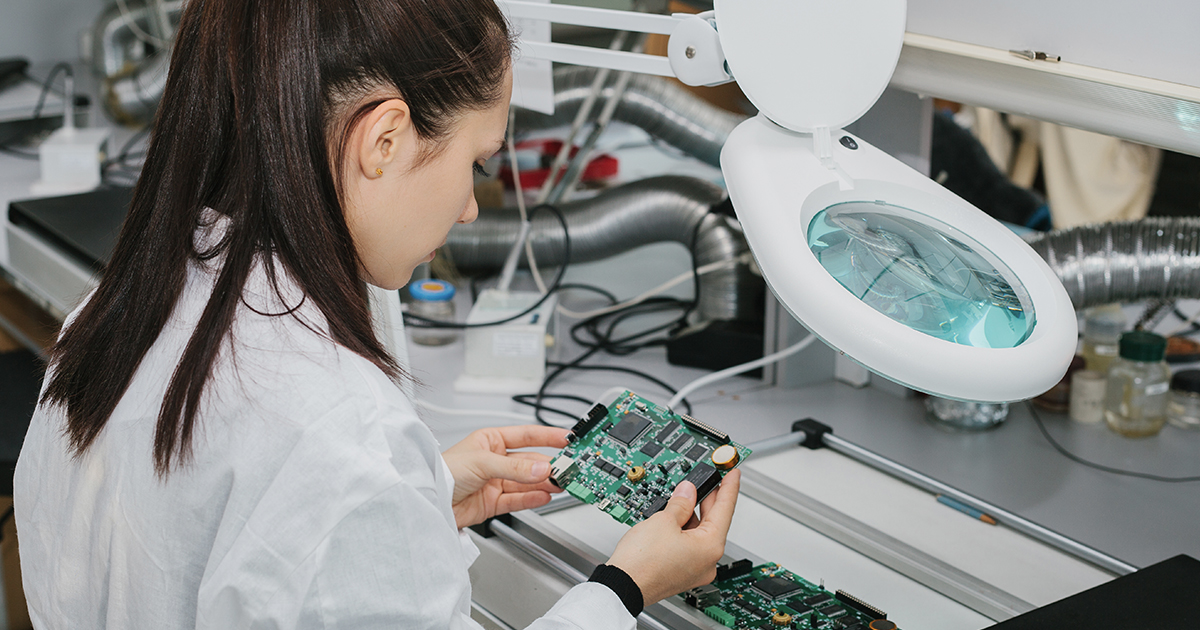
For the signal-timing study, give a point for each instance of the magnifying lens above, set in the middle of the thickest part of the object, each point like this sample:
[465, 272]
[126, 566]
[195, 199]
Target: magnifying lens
[876, 259]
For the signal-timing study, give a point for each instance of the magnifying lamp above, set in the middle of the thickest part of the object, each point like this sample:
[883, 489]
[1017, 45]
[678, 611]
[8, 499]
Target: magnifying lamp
[877, 260]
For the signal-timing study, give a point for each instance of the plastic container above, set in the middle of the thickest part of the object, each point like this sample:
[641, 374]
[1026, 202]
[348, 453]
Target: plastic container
[1183, 404]
[432, 299]
[961, 415]
[1087, 396]
[1136, 392]
[1102, 328]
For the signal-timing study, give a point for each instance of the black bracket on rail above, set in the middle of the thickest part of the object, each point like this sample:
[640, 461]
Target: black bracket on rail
[814, 432]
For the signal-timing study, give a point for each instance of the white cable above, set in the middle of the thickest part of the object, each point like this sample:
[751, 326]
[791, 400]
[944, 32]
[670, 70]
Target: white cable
[662, 288]
[738, 369]
[137, 30]
[1187, 323]
[475, 413]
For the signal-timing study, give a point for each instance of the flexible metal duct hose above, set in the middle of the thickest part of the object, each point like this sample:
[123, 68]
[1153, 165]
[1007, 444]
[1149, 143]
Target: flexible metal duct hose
[115, 47]
[1125, 262]
[132, 85]
[662, 108]
[643, 212]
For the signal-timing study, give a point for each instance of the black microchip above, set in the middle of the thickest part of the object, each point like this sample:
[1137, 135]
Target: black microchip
[833, 611]
[623, 491]
[628, 429]
[750, 608]
[698, 451]
[667, 431]
[776, 587]
[799, 608]
[609, 468]
[680, 443]
[857, 626]
[652, 448]
[655, 507]
[817, 600]
[705, 478]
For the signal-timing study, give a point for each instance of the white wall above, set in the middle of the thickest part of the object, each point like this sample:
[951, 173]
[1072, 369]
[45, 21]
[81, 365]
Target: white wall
[1152, 38]
[45, 30]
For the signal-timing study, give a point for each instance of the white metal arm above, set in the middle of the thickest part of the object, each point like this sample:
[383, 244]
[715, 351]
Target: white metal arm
[693, 54]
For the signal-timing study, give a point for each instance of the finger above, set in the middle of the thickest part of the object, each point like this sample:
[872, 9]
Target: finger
[513, 486]
[720, 513]
[682, 504]
[532, 435]
[534, 455]
[518, 469]
[506, 503]
[692, 523]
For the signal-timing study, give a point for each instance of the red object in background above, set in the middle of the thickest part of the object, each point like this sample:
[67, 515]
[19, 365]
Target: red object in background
[600, 168]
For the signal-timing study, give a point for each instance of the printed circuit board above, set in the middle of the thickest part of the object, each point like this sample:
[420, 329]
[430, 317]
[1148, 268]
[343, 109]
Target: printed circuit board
[769, 596]
[627, 458]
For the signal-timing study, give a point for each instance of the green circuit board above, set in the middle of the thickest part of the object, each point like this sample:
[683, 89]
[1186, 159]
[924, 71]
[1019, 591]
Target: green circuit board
[627, 457]
[770, 596]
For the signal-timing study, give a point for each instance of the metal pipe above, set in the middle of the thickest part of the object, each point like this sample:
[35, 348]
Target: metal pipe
[662, 108]
[1002, 515]
[669, 208]
[1154, 258]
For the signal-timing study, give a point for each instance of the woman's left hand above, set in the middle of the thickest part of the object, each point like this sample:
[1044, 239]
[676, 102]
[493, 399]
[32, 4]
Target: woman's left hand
[488, 480]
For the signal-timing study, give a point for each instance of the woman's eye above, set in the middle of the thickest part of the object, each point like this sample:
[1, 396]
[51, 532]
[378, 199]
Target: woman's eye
[479, 170]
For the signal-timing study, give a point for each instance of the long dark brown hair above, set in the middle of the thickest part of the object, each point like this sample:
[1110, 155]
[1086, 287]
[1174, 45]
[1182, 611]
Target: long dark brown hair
[260, 95]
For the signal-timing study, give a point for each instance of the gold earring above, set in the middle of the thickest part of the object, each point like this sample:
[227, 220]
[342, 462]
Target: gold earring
[379, 171]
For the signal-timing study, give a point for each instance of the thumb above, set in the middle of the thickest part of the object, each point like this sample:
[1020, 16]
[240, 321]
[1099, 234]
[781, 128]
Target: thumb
[682, 503]
[494, 466]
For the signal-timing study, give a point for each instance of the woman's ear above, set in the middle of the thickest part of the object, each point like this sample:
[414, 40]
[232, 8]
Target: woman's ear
[388, 141]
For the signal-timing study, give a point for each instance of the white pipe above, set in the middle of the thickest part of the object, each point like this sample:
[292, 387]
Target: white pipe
[738, 369]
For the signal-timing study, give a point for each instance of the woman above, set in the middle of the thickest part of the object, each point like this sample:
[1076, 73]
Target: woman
[221, 442]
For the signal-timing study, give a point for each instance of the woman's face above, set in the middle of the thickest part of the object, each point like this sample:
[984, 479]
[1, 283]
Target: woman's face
[400, 205]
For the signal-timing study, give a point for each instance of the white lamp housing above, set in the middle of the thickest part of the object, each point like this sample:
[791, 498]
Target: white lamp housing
[930, 291]
[873, 257]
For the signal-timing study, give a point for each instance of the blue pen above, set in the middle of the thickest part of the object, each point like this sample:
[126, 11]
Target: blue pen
[965, 509]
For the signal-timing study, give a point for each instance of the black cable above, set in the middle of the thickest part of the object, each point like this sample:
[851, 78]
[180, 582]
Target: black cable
[425, 322]
[37, 110]
[603, 340]
[1079, 460]
[61, 66]
[625, 370]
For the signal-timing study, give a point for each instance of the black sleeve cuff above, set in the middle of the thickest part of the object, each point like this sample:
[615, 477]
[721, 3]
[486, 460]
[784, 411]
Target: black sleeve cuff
[621, 584]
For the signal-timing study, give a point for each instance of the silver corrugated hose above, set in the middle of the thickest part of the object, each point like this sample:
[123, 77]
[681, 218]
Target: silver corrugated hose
[647, 211]
[133, 84]
[1125, 262]
[662, 108]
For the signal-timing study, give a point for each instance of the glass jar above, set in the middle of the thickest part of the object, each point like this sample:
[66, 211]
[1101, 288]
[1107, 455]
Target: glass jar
[432, 299]
[961, 415]
[1102, 328]
[1183, 404]
[1136, 393]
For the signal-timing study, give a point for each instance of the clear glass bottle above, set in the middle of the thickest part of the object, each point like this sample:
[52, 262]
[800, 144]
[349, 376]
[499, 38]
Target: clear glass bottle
[1136, 394]
[1183, 406]
[1102, 329]
[961, 415]
[432, 299]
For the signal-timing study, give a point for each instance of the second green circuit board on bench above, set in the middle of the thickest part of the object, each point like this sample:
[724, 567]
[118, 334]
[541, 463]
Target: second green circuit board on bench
[770, 596]
[660, 447]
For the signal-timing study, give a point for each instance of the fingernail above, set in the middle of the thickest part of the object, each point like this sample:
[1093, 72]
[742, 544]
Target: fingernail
[541, 469]
[684, 489]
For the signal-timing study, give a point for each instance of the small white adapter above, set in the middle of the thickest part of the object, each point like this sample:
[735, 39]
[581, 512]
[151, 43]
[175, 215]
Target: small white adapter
[508, 357]
[70, 158]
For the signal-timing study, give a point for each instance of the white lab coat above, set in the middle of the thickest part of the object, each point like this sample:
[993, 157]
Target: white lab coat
[316, 497]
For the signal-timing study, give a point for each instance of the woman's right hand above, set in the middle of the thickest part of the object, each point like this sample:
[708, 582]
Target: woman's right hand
[672, 551]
